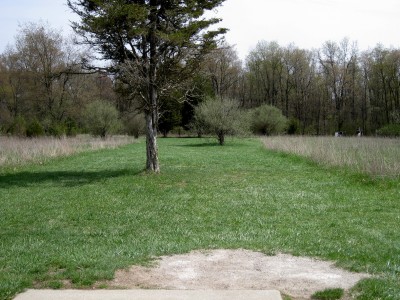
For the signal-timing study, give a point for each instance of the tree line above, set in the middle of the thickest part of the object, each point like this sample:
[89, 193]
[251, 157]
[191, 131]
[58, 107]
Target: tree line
[46, 89]
[334, 88]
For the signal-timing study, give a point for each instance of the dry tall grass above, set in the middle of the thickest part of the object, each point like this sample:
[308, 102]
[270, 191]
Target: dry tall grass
[375, 156]
[16, 151]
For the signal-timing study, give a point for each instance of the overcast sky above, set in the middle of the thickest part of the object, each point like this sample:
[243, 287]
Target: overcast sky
[306, 23]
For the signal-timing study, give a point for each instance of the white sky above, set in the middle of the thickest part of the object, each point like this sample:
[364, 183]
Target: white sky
[306, 23]
[310, 23]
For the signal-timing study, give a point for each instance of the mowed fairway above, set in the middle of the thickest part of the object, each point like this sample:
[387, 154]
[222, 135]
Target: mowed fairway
[80, 218]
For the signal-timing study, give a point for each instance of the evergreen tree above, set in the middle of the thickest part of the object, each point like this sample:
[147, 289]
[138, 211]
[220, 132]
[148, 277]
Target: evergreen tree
[155, 45]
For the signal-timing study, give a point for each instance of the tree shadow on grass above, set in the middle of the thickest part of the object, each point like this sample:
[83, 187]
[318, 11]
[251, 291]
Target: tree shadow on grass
[203, 144]
[61, 178]
[213, 145]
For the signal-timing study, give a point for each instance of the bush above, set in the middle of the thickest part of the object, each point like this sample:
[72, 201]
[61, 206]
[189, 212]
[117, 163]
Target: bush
[220, 117]
[5, 121]
[71, 127]
[18, 126]
[135, 124]
[179, 131]
[57, 129]
[391, 130]
[197, 126]
[293, 127]
[34, 129]
[267, 120]
[101, 118]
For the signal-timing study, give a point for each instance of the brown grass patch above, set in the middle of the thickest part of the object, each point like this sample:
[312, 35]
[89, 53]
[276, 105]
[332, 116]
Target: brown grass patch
[16, 151]
[375, 156]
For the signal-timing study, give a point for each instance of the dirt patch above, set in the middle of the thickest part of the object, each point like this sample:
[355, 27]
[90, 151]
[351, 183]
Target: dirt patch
[297, 277]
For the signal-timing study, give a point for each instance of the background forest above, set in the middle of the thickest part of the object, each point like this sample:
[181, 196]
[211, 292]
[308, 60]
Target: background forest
[47, 89]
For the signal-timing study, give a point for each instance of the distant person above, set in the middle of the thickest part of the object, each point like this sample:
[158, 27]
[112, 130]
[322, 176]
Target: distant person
[359, 132]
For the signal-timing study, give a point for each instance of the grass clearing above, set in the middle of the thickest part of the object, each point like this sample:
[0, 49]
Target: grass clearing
[77, 219]
[374, 156]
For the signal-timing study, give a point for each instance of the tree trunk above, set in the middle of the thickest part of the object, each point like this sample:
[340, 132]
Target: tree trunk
[152, 163]
[221, 138]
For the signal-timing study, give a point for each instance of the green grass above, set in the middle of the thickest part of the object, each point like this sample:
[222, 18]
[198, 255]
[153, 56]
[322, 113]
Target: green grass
[82, 217]
[328, 294]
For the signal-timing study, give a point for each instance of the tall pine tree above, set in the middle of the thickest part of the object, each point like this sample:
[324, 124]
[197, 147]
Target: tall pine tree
[154, 44]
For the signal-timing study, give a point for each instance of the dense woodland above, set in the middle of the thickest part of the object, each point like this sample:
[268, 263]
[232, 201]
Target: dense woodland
[46, 89]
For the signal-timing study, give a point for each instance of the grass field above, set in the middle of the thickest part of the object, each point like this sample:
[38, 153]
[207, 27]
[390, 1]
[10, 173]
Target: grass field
[374, 156]
[80, 218]
[16, 151]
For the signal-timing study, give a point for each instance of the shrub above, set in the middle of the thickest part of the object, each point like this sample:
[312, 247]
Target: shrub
[179, 131]
[18, 126]
[5, 121]
[101, 118]
[221, 117]
[71, 127]
[58, 129]
[197, 126]
[135, 124]
[34, 129]
[391, 130]
[267, 120]
[293, 126]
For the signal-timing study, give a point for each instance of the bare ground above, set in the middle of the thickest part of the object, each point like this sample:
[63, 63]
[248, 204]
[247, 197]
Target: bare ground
[297, 277]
